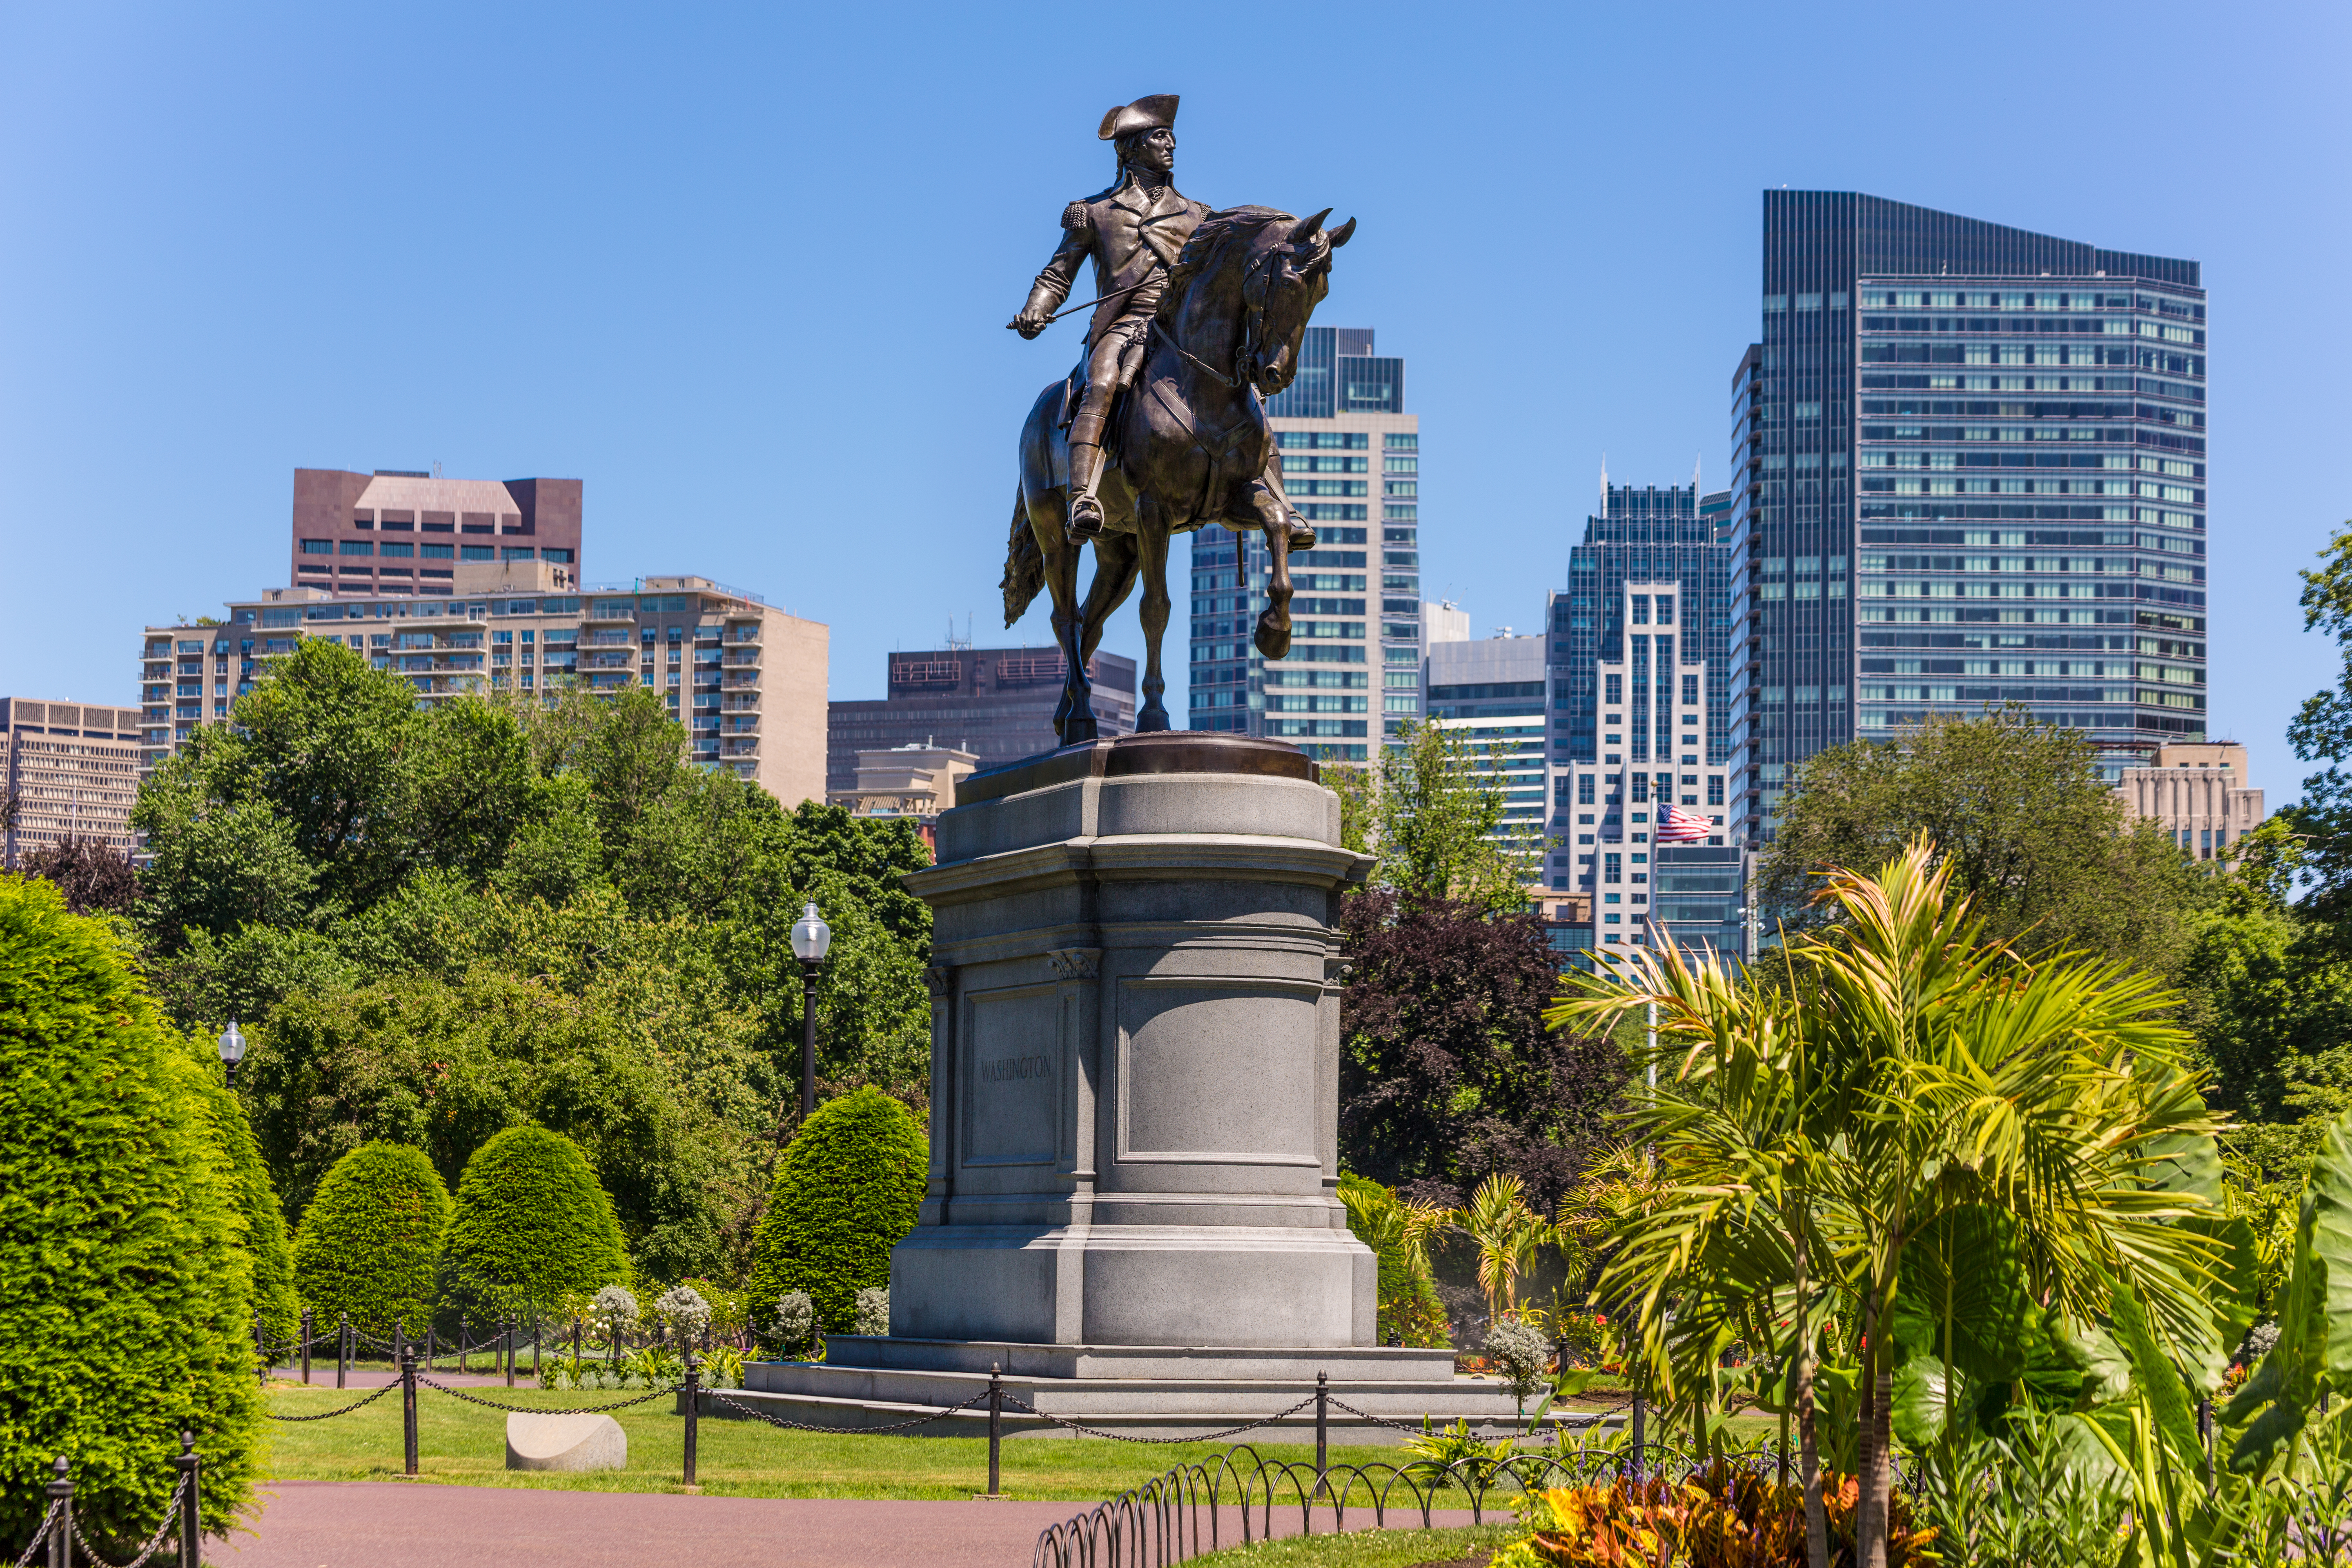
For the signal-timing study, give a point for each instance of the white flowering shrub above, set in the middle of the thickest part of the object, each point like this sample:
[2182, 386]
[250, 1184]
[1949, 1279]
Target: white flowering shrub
[1522, 1352]
[873, 1312]
[683, 1309]
[795, 1321]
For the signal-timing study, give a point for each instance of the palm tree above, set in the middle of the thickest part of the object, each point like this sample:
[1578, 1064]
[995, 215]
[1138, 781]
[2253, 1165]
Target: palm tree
[1921, 1072]
[1507, 1235]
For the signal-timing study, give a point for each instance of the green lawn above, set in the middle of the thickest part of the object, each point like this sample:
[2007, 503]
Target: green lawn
[1366, 1548]
[466, 1444]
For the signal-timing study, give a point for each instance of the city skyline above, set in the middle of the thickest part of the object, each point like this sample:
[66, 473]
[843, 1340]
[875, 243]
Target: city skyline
[660, 325]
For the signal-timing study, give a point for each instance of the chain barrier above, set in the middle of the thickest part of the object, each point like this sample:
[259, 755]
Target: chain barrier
[154, 1541]
[1018, 1402]
[742, 1409]
[537, 1409]
[40, 1535]
[346, 1410]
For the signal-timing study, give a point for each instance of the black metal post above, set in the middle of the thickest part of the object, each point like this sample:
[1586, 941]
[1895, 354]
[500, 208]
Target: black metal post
[808, 1042]
[192, 1528]
[261, 1352]
[307, 1330]
[1322, 1425]
[576, 1345]
[1641, 1430]
[510, 1349]
[534, 1346]
[693, 1409]
[428, 1346]
[995, 1421]
[342, 1348]
[461, 1342]
[61, 1532]
[408, 1407]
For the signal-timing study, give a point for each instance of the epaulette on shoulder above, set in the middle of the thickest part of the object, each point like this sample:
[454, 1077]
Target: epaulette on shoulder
[1077, 218]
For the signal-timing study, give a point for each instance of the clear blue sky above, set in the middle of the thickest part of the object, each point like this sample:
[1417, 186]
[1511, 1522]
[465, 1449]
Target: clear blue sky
[745, 270]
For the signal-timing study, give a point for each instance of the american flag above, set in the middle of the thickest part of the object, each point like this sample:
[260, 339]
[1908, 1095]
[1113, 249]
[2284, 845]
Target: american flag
[1676, 826]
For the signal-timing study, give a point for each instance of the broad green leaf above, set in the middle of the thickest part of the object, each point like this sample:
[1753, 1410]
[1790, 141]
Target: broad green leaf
[1924, 1392]
[2159, 1381]
[2106, 1371]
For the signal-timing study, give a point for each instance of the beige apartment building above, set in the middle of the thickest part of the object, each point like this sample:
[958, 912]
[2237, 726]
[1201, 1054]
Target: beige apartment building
[2198, 792]
[69, 769]
[746, 680]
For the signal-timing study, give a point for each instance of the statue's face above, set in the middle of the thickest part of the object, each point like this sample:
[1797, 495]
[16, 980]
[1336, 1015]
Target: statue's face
[1152, 152]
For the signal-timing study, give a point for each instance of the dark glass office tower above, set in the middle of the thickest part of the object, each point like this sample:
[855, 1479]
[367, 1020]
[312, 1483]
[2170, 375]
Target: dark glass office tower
[1973, 469]
[1649, 535]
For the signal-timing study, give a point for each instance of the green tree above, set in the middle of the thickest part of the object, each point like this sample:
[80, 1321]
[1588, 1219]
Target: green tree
[1398, 1232]
[1947, 1081]
[2035, 839]
[369, 1241]
[848, 1189]
[126, 1284]
[531, 1227]
[267, 1248]
[1434, 823]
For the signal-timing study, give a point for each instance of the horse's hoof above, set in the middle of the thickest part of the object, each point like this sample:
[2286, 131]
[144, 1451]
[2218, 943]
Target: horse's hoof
[1272, 641]
[1151, 719]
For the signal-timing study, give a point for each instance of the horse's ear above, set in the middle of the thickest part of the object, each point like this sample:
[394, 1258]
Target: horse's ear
[1307, 226]
[1343, 234]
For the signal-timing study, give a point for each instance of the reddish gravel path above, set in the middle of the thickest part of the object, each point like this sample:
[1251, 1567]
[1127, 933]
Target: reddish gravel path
[347, 1524]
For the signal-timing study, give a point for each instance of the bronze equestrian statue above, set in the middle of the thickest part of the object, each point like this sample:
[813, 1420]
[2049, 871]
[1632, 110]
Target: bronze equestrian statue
[1161, 426]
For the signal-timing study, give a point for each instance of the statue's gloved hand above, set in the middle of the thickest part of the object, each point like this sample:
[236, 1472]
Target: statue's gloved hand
[1030, 321]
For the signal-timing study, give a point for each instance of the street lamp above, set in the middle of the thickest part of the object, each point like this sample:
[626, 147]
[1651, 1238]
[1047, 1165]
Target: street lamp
[232, 1051]
[811, 937]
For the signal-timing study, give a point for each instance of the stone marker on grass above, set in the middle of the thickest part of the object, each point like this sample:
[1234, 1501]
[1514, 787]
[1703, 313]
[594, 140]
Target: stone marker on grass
[562, 1440]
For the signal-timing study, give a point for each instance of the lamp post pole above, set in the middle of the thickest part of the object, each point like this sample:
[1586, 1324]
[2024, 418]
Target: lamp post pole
[810, 938]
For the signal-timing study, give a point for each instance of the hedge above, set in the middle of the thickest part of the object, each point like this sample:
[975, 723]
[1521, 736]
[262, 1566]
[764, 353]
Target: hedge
[370, 1240]
[265, 1220]
[125, 1287]
[849, 1187]
[531, 1227]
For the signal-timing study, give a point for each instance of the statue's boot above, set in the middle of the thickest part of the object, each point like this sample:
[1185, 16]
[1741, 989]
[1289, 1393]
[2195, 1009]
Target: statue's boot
[1085, 512]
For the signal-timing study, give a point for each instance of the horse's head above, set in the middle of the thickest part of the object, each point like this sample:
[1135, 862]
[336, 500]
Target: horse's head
[1289, 271]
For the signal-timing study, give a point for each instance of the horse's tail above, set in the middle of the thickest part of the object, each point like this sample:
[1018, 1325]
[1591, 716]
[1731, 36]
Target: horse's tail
[1025, 564]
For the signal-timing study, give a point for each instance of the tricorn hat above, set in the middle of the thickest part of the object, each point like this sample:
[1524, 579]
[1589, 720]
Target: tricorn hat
[1154, 113]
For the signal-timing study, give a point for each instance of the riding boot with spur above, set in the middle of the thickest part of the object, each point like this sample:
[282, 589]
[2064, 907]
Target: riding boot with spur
[1085, 512]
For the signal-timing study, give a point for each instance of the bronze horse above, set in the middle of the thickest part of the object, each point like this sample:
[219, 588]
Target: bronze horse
[1192, 447]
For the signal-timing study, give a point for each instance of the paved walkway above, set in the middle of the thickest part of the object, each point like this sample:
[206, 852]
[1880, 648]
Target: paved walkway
[347, 1524]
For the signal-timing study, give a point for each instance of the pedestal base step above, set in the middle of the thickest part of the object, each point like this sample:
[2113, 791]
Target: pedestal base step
[863, 1397]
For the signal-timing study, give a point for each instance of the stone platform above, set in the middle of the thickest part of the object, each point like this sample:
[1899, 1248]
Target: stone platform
[1119, 1393]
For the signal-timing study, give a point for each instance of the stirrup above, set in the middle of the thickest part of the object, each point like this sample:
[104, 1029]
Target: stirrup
[1092, 509]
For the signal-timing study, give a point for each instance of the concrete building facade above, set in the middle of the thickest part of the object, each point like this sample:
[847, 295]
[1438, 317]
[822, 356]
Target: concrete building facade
[1351, 465]
[745, 679]
[400, 532]
[68, 770]
[2199, 792]
[996, 703]
[1492, 690]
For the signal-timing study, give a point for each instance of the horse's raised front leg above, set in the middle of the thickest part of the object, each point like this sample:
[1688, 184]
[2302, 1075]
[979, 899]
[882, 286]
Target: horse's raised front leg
[1272, 637]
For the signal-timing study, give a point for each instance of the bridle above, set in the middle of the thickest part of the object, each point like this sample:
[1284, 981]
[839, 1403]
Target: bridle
[1253, 324]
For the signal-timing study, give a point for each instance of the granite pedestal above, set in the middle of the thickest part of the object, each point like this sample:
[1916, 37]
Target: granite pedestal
[1135, 1054]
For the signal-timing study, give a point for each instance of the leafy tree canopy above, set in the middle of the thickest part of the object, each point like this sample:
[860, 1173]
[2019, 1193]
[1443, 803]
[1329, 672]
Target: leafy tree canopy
[2034, 837]
[1433, 822]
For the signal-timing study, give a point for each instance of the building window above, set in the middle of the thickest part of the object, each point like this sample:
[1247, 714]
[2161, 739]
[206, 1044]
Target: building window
[1584, 789]
[475, 553]
[1715, 789]
[438, 551]
[359, 547]
[561, 557]
[317, 547]
[1615, 687]
[403, 551]
[514, 552]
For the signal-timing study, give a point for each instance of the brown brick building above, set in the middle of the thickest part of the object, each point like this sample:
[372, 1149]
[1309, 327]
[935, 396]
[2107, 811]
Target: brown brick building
[396, 532]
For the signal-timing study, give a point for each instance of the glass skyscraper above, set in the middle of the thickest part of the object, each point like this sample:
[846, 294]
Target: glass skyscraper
[1650, 534]
[1352, 463]
[1970, 469]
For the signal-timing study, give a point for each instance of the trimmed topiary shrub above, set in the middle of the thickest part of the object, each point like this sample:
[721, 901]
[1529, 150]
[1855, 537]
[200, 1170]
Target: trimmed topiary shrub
[370, 1240]
[264, 1221]
[849, 1187]
[125, 1285]
[531, 1227]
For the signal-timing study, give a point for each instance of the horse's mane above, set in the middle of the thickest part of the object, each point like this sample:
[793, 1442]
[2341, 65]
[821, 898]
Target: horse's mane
[1205, 251]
